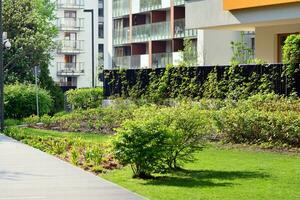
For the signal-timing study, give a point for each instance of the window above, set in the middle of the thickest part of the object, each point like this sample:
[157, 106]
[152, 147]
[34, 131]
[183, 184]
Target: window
[100, 48]
[100, 12]
[70, 14]
[100, 30]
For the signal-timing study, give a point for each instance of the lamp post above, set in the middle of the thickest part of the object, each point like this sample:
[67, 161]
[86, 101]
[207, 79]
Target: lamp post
[1, 72]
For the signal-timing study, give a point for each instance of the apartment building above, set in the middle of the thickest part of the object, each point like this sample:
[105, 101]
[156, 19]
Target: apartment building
[272, 21]
[78, 54]
[151, 33]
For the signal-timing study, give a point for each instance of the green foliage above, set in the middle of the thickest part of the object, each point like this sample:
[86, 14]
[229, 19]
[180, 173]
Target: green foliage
[32, 120]
[242, 54]
[12, 122]
[85, 98]
[31, 32]
[20, 101]
[158, 139]
[86, 151]
[291, 54]
[189, 53]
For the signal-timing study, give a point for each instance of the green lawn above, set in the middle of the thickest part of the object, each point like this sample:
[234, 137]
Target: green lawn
[223, 174]
[218, 173]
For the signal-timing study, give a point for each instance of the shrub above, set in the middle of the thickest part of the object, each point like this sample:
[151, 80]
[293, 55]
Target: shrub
[85, 98]
[32, 120]
[159, 139]
[20, 101]
[291, 54]
[258, 127]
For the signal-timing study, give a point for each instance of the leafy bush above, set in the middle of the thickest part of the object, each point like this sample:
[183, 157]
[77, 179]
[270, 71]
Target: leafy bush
[291, 54]
[85, 98]
[258, 127]
[20, 101]
[159, 139]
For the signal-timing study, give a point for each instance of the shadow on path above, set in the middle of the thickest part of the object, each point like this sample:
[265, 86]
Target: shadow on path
[17, 176]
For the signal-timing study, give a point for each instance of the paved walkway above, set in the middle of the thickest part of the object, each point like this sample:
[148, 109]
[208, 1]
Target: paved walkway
[29, 174]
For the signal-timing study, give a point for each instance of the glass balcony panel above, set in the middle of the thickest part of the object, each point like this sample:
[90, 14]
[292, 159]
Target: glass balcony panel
[191, 33]
[147, 5]
[178, 2]
[161, 31]
[69, 69]
[161, 60]
[122, 62]
[141, 33]
[70, 24]
[121, 8]
[70, 4]
[121, 36]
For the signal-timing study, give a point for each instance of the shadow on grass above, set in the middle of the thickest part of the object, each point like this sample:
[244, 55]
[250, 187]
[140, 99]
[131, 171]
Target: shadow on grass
[205, 178]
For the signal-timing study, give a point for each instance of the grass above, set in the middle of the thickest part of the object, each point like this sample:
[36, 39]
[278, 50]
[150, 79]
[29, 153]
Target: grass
[217, 173]
[223, 174]
[55, 134]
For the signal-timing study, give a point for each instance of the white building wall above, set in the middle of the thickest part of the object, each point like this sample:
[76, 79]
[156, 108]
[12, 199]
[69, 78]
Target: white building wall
[108, 34]
[267, 43]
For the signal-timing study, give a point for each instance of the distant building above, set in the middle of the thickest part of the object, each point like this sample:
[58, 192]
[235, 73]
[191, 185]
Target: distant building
[80, 43]
[271, 20]
[150, 34]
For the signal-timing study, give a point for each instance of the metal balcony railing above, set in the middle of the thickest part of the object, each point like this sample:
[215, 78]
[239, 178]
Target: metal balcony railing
[70, 69]
[70, 24]
[121, 7]
[70, 4]
[70, 46]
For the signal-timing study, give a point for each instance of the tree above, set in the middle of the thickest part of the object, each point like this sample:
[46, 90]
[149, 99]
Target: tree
[30, 28]
[189, 53]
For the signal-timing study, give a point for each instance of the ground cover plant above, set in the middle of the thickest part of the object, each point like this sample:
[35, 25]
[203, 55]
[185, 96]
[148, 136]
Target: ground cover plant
[88, 151]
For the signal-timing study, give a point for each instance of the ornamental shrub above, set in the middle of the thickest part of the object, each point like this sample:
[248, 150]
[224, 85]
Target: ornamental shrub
[20, 101]
[158, 139]
[291, 54]
[85, 98]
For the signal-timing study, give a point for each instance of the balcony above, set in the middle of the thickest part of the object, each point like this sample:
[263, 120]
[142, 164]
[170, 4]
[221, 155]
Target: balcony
[178, 2]
[70, 46]
[121, 36]
[70, 69]
[161, 60]
[147, 5]
[131, 62]
[160, 31]
[121, 7]
[70, 4]
[181, 32]
[70, 24]
[141, 33]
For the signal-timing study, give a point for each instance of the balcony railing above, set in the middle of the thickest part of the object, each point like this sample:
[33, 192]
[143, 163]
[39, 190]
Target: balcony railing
[141, 33]
[147, 5]
[132, 62]
[178, 2]
[121, 36]
[70, 24]
[161, 60]
[70, 4]
[160, 31]
[70, 69]
[70, 46]
[181, 32]
[120, 7]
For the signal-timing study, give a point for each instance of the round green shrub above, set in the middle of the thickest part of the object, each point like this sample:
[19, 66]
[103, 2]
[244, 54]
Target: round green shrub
[85, 98]
[20, 101]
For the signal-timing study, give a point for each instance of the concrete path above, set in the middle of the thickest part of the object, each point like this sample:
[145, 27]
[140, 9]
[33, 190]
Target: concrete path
[29, 174]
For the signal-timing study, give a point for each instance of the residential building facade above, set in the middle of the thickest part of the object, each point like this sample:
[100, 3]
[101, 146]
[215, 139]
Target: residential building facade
[76, 59]
[151, 33]
[272, 21]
